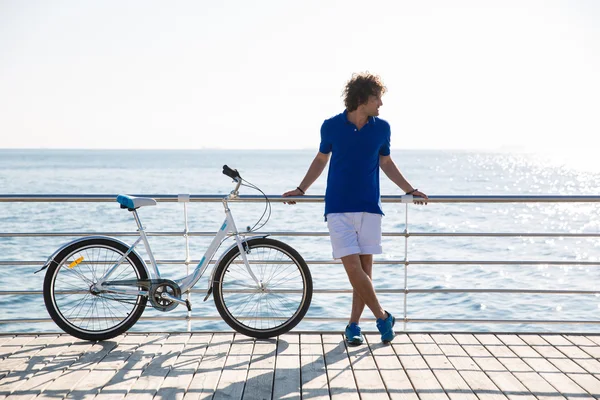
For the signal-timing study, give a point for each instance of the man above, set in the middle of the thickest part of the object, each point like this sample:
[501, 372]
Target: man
[359, 143]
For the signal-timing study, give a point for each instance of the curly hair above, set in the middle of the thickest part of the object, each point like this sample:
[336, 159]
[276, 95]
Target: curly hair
[360, 87]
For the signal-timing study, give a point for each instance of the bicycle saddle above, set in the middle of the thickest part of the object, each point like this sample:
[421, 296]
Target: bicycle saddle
[133, 203]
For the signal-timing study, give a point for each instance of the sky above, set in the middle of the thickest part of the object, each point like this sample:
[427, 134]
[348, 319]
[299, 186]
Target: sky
[264, 74]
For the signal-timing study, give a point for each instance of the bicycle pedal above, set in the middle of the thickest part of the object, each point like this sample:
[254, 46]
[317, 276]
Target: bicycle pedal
[188, 305]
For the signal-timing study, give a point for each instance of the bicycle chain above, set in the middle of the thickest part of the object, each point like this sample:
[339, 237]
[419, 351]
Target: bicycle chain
[115, 299]
[149, 285]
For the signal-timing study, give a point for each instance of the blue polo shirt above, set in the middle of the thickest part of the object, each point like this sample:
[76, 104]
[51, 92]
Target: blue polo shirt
[353, 178]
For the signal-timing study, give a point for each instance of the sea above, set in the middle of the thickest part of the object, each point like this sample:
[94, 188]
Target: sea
[435, 172]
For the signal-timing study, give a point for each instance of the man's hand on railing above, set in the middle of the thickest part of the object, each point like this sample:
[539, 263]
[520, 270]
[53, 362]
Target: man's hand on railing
[295, 192]
[417, 193]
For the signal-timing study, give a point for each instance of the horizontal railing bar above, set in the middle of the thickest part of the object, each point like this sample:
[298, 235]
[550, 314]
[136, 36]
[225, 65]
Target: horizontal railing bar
[301, 234]
[320, 332]
[324, 319]
[384, 262]
[498, 234]
[523, 291]
[528, 262]
[83, 234]
[165, 234]
[341, 291]
[303, 199]
[160, 318]
[497, 321]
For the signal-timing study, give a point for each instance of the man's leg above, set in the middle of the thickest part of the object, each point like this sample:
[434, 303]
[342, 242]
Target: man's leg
[362, 285]
[358, 305]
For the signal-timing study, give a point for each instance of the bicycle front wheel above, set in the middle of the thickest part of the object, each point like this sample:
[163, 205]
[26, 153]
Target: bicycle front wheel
[274, 305]
[71, 300]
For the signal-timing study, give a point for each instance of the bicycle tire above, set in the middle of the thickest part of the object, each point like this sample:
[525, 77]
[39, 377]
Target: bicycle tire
[224, 284]
[75, 274]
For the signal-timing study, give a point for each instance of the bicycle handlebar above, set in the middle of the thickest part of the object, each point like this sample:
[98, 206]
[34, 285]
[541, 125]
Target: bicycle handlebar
[232, 173]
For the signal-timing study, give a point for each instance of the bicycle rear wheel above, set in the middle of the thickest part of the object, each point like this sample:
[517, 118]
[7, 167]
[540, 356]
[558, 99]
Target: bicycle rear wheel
[276, 307]
[72, 303]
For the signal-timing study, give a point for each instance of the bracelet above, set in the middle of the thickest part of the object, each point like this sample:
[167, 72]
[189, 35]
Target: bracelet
[412, 191]
[298, 187]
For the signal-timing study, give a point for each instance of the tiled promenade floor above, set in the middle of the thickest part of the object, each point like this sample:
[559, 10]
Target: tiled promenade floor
[301, 366]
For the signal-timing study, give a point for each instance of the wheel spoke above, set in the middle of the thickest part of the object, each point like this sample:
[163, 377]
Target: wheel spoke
[268, 311]
[90, 313]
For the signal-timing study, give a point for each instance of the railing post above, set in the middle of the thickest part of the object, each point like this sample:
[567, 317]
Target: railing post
[185, 198]
[405, 267]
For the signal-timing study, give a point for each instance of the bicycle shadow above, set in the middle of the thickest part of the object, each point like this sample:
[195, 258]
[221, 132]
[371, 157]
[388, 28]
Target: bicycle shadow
[145, 370]
[262, 376]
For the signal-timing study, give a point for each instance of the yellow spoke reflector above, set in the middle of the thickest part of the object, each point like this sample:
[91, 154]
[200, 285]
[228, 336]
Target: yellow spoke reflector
[76, 262]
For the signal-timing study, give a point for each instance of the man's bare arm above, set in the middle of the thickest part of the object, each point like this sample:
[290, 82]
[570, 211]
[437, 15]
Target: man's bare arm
[388, 166]
[314, 171]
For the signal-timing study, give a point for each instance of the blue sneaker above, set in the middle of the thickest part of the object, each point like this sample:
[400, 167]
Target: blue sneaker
[353, 334]
[385, 327]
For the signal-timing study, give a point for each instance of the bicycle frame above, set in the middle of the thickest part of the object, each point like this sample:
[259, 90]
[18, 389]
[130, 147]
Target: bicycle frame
[227, 228]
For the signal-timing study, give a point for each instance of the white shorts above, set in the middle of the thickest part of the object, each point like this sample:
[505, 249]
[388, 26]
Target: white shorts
[354, 233]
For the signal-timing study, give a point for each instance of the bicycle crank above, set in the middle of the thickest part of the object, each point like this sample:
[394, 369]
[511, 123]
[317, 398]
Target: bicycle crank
[164, 294]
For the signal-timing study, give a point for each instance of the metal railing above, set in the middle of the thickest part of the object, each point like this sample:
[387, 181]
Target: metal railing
[405, 262]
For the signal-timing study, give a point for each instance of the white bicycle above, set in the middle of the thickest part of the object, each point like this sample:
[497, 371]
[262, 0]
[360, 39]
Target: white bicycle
[97, 287]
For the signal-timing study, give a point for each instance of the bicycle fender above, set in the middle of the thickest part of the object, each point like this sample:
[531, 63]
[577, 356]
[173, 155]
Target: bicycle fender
[212, 275]
[81, 239]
